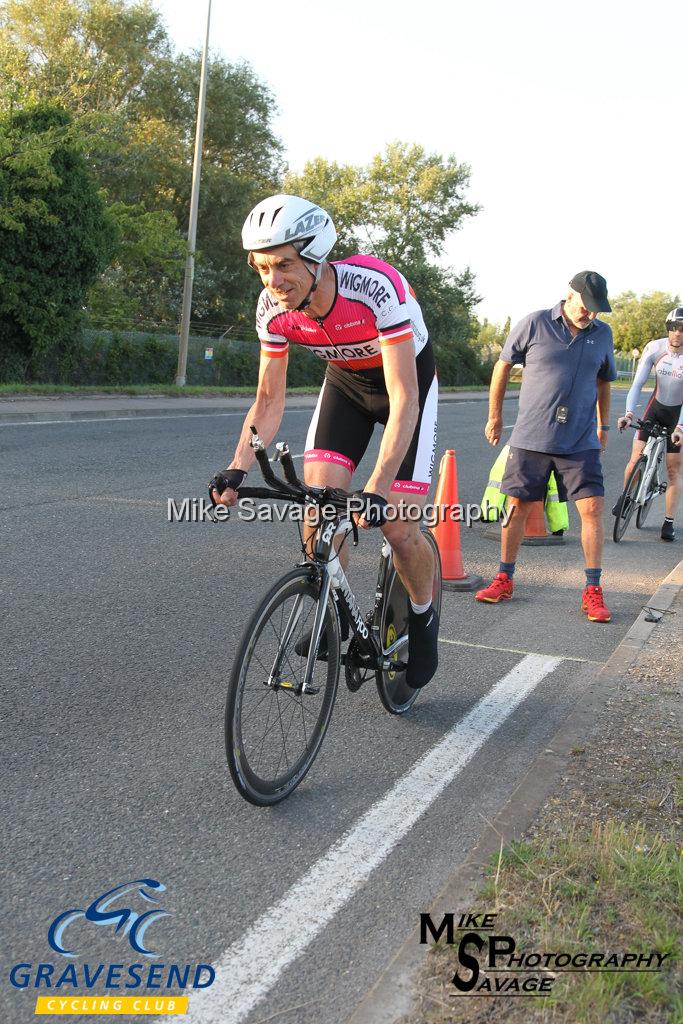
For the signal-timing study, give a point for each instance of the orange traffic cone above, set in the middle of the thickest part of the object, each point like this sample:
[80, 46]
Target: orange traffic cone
[447, 530]
[535, 533]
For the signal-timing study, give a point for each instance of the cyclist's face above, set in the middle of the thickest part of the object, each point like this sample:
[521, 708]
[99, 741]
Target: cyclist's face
[576, 312]
[284, 274]
[676, 338]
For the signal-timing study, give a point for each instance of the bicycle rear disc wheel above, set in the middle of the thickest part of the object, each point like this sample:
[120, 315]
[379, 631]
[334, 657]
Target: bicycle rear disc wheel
[626, 503]
[396, 696]
[272, 731]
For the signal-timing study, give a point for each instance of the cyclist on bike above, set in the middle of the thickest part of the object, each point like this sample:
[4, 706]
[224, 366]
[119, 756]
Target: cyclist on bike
[664, 356]
[361, 316]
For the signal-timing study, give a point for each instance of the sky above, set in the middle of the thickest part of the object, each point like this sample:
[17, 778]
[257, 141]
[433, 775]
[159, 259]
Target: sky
[569, 115]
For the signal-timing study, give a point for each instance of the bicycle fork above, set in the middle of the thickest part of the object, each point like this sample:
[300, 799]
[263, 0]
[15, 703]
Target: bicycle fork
[273, 680]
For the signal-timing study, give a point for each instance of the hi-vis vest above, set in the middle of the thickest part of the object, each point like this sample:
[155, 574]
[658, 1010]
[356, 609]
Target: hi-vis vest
[493, 502]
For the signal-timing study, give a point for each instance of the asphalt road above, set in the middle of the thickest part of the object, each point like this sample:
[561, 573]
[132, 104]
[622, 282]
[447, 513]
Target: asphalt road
[117, 631]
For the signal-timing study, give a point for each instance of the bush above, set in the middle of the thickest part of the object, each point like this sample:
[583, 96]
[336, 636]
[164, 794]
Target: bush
[111, 358]
[458, 365]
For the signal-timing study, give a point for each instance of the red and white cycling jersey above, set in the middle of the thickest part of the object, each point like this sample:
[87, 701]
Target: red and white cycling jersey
[374, 305]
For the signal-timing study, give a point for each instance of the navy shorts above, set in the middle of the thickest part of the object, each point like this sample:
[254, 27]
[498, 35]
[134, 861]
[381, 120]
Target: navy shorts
[578, 475]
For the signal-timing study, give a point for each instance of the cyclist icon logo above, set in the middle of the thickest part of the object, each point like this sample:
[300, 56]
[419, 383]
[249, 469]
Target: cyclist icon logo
[126, 920]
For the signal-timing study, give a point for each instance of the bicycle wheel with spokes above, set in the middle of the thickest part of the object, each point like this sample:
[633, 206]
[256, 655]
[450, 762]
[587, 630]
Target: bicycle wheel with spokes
[273, 730]
[394, 692]
[627, 501]
[641, 514]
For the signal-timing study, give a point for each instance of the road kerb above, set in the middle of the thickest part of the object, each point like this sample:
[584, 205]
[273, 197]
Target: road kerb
[56, 410]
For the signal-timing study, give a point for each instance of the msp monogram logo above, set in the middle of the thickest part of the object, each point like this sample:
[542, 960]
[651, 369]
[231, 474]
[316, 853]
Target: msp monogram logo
[491, 964]
[124, 920]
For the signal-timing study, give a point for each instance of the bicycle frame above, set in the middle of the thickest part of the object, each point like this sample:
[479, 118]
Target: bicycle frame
[332, 579]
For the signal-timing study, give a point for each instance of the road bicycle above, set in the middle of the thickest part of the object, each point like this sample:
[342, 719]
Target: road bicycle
[644, 480]
[283, 684]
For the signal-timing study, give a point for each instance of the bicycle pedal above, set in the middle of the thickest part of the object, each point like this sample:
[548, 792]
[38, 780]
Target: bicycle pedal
[662, 488]
[395, 666]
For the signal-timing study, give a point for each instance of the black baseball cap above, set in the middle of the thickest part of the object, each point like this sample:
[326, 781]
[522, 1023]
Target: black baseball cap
[593, 291]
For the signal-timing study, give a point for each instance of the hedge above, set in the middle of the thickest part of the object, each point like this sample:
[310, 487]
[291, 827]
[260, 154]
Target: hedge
[122, 358]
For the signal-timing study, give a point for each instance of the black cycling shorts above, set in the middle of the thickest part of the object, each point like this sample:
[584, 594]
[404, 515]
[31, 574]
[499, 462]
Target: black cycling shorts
[349, 406]
[666, 415]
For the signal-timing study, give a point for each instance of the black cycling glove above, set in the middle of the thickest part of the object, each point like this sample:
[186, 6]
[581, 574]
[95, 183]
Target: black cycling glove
[231, 478]
[375, 511]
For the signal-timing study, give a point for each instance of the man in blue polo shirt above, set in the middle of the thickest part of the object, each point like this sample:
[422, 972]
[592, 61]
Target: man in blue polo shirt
[568, 360]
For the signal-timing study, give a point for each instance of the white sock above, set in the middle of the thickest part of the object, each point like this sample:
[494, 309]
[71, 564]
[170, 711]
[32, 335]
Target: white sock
[420, 609]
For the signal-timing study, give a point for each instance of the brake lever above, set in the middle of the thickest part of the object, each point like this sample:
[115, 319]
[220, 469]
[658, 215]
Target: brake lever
[261, 453]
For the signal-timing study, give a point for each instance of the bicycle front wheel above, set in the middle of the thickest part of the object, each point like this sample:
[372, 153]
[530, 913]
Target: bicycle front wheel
[273, 730]
[627, 501]
[395, 694]
[643, 509]
[641, 514]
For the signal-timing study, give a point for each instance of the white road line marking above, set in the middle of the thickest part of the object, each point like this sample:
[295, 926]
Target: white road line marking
[250, 967]
[517, 650]
[110, 499]
[117, 419]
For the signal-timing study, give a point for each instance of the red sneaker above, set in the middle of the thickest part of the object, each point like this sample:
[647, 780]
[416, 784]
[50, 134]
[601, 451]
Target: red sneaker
[499, 589]
[594, 606]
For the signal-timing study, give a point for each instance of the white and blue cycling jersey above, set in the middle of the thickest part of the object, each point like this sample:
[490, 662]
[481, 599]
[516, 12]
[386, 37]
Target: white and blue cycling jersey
[668, 370]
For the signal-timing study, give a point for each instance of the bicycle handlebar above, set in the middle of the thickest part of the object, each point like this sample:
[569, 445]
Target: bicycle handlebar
[291, 488]
[656, 429]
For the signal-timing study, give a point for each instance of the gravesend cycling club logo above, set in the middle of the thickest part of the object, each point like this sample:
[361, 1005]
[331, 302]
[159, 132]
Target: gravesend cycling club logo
[125, 915]
[124, 920]
[491, 964]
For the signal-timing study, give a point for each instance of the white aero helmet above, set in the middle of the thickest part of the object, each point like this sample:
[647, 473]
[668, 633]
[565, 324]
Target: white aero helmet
[675, 316]
[285, 220]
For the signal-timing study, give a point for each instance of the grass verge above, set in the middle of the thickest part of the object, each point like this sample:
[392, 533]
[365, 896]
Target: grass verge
[613, 888]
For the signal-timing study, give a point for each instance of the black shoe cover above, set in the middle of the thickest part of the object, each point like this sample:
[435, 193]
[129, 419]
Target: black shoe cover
[423, 653]
[668, 532]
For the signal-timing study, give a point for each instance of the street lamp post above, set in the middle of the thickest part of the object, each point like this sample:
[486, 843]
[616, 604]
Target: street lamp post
[181, 374]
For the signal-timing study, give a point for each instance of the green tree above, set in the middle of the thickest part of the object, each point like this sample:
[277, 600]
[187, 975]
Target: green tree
[401, 207]
[54, 242]
[489, 338]
[143, 283]
[242, 163]
[85, 55]
[635, 321]
[134, 102]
